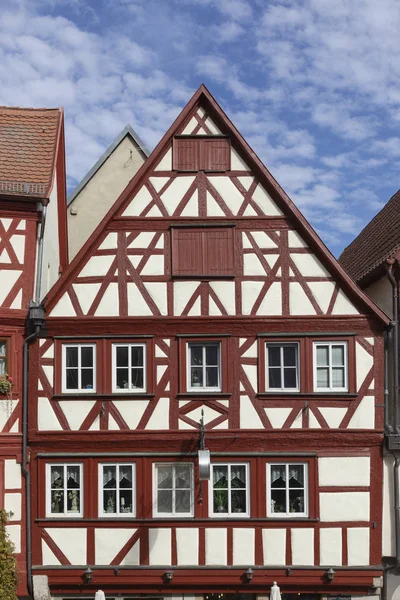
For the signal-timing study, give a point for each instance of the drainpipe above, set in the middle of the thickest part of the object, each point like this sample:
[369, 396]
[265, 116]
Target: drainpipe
[387, 338]
[395, 345]
[38, 283]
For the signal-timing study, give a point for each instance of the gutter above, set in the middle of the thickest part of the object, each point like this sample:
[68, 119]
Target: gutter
[39, 266]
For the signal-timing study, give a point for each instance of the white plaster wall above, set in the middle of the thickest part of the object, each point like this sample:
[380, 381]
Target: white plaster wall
[51, 253]
[12, 474]
[187, 546]
[14, 531]
[302, 546]
[344, 470]
[388, 534]
[364, 362]
[274, 546]
[381, 292]
[71, 541]
[108, 542]
[100, 193]
[216, 546]
[331, 546]
[12, 504]
[344, 506]
[357, 546]
[243, 546]
[160, 546]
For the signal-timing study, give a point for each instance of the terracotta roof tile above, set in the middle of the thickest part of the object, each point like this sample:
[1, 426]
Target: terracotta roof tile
[27, 146]
[379, 240]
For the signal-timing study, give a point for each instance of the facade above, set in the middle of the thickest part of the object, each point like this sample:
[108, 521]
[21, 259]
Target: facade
[372, 260]
[32, 215]
[95, 195]
[204, 293]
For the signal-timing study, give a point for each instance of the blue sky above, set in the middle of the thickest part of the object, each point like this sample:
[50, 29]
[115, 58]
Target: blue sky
[313, 85]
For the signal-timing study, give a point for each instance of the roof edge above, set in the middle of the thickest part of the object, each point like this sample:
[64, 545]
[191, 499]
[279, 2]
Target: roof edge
[128, 130]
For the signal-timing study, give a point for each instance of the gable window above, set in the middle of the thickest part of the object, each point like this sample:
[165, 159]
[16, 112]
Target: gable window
[78, 370]
[330, 367]
[173, 488]
[282, 367]
[203, 252]
[64, 490]
[230, 490]
[116, 495]
[129, 368]
[204, 367]
[201, 153]
[287, 493]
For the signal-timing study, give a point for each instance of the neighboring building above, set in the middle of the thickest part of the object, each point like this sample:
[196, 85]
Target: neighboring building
[368, 259]
[205, 290]
[32, 208]
[96, 193]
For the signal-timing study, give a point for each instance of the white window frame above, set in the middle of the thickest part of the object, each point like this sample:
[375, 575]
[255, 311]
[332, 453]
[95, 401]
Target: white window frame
[101, 490]
[288, 515]
[330, 366]
[79, 390]
[128, 390]
[65, 514]
[172, 514]
[282, 345]
[203, 388]
[229, 514]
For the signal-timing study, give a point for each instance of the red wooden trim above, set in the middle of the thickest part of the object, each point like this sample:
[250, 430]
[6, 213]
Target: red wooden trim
[54, 548]
[202, 546]
[174, 549]
[229, 541]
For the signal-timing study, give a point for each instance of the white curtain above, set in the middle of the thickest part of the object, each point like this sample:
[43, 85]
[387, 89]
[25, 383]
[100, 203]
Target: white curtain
[73, 473]
[55, 474]
[219, 472]
[296, 472]
[278, 472]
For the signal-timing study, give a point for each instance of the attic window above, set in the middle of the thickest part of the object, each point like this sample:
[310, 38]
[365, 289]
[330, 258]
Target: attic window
[203, 252]
[201, 153]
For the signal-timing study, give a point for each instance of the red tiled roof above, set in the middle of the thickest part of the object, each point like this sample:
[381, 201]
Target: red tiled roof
[379, 240]
[28, 139]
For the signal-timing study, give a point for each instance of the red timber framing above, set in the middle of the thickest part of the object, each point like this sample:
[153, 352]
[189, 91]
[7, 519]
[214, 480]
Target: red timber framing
[165, 304]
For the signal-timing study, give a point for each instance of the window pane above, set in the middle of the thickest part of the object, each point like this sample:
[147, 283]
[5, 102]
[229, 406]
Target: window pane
[274, 376]
[322, 356]
[2, 366]
[289, 356]
[220, 501]
[71, 356]
[110, 501]
[278, 476]
[87, 356]
[196, 353]
[137, 356]
[73, 502]
[109, 477]
[238, 476]
[290, 377]
[122, 378]
[296, 501]
[323, 378]
[57, 501]
[72, 379]
[182, 476]
[137, 378]
[87, 379]
[220, 476]
[164, 501]
[211, 376]
[238, 501]
[3, 348]
[73, 476]
[278, 501]
[125, 477]
[182, 501]
[338, 377]
[274, 356]
[212, 355]
[125, 501]
[164, 477]
[338, 356]
[57, 477]
[196, 377]
[296, 476]
[122, 356]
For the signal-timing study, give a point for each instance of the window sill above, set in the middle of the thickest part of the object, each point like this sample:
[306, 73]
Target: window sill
[110, 396]
[330, 395]
[209, 395]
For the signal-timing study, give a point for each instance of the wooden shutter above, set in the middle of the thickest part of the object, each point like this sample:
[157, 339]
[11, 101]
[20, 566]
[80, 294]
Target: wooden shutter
[218, 252]
[216, 154]
[187, 152]
[187, 252]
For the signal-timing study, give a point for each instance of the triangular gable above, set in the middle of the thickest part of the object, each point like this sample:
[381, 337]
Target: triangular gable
[249, 191]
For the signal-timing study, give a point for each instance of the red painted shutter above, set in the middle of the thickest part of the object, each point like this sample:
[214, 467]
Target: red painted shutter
[187, 252]
[219, 252]
[216, 154]
[186, 154]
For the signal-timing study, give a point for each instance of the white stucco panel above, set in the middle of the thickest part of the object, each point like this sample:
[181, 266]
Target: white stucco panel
[265, 202]
[132, 556]
[131, 411]
[110, 242]
[332, 415]
[17, 302]
[190, 126]
[212, 126]
[213, 208]
[143, 240]
[309, 265]
[158, 293]
[137, 305]
[252, 265]
[71, 541]
[344, 470]
[12, 504]
[274, 546]
[246, 181]
[364, 416]
[5, 257]
[302, 546]
[18, 244]
[47, 420]
[160, 417]
[138, 203]
[209, 414]
[343, 306]
[109, 304]
[187, 545]
[295, 240]
[48, 556]
[63, 308]
[195, 311]
[183, 290]
[76, 412]
[330, 546]
[252, 375]
[243, 546]
[237, 163]
[192, 206]
[109, 542]
[249, 418]
[14, 531]
[277, 416]
[298, 422]
[251, 352]
[8, 278]
[12, 474]
[388, 530]
[250, 292]
[357, 546]
[262, 239]
[272, 302]
[160, 546]
[175, 192]
[154, 265]
[225, 290]
[165, 163]
[322, 292]
[86, 293]
[228, 191]
[299, 304]
[216, 546]
[97, 266]
[344, 506]
[364, 362]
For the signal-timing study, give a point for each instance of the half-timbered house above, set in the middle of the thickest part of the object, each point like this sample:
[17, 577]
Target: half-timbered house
[33, 249]
[204, 291]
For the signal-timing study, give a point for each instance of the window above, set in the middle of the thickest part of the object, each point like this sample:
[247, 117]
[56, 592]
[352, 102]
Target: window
[116, 496]
[203, 252]
[230, 490]
[3, 357]
[79, 372]
[64, 490]
[129, 367]
[330, 366]
[200, 153]
[282, 367]
[174, 490]
[204, 367]
[287, 490]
